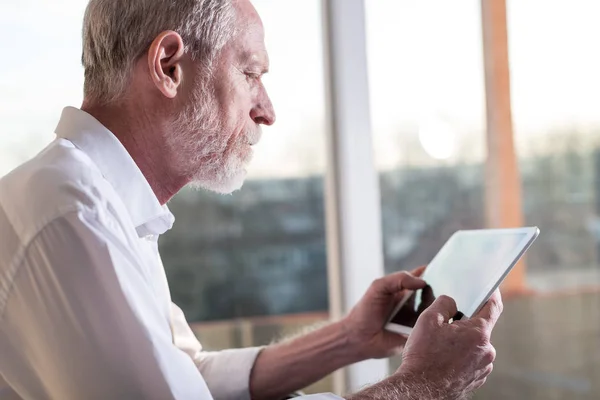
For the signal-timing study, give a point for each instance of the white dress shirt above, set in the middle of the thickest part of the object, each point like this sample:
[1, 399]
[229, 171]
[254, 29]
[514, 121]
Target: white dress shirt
[85, 309]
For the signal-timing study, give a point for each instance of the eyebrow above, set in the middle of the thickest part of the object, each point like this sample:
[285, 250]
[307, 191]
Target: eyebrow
[251, 58]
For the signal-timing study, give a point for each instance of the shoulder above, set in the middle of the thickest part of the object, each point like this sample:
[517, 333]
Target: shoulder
[59, 180]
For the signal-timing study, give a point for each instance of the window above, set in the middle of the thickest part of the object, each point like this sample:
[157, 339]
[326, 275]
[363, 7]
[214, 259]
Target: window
[40, 74]
[547, 347]
[428, 106]
[426, 73]
[556, 99]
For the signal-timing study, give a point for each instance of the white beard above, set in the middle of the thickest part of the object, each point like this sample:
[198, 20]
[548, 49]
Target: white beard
[226, 178]
[233, 183]
[199, 147]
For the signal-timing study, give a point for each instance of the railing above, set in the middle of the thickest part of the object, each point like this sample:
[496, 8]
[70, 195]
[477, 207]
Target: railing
[260, 331]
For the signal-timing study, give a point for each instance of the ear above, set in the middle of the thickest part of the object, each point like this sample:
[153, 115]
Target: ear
[164, 62]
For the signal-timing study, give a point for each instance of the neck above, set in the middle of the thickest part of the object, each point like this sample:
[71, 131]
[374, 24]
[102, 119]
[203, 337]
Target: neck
[142, 136]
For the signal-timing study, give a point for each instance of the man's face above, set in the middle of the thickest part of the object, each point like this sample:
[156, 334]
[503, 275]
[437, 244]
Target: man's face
[222, 119]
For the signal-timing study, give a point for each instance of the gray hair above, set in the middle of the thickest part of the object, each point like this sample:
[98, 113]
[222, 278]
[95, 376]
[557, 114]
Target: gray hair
[117, 32]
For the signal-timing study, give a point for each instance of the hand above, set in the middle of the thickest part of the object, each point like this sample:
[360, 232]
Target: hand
[452, 358]
[365, 322]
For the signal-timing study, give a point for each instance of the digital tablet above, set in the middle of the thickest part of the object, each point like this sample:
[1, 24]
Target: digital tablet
[468, 268]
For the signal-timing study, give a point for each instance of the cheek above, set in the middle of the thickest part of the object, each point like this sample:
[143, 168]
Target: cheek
[234, 96]
[235, 141]
[240, 104]
[235, 121]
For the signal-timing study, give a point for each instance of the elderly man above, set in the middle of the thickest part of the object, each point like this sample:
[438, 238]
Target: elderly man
[173, 96]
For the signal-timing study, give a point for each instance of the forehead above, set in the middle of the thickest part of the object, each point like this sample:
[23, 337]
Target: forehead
[256, 56]
[249, 43]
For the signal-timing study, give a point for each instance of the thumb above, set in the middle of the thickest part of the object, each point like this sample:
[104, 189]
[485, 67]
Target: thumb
[412, 282]
[441, 310]
[394, 283]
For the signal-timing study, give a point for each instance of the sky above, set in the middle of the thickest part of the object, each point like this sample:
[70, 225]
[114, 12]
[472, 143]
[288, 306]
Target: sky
[425, 75]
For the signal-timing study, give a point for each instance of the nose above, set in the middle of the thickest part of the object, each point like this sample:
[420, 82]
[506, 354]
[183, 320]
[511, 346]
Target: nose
[263, 113]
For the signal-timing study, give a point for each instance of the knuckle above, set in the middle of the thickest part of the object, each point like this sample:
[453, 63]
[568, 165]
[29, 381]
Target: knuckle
[378, 283]
[447, 300]
[430, 319]
[402, 276]
[405, 274]
[444, 297]
[390, 283]
[489, 355]
[497, 305]
[482, 327]
[480, 323]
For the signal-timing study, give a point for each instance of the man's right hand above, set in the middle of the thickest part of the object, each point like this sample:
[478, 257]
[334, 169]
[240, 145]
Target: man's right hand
[451, 358]
[442, 360]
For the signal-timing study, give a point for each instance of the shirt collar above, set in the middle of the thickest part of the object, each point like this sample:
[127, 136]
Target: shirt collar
[118, 168]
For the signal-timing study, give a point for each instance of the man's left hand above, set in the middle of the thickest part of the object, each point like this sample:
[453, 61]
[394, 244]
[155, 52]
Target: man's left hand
[365, 323]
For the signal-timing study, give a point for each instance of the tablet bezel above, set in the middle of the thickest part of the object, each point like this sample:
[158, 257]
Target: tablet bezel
[531, 233]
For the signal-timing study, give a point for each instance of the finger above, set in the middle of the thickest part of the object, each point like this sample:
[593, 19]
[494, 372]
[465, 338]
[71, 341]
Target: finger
[418, 271]
[442, 309]
[394, 283]
[394, 340]
[491, 311]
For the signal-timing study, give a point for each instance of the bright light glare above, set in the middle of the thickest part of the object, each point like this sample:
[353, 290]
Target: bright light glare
[437, 138]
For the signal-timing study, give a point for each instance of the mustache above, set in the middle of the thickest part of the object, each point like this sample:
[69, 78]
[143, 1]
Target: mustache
[253, 134]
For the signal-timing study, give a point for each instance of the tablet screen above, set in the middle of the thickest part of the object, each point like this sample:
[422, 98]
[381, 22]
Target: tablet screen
[463, 269]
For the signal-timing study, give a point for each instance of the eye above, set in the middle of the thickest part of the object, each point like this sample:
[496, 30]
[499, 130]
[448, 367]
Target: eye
[253, 75]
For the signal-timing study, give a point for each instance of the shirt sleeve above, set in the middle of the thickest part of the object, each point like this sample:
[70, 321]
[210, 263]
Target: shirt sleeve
[81, 321]
[226, 372]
